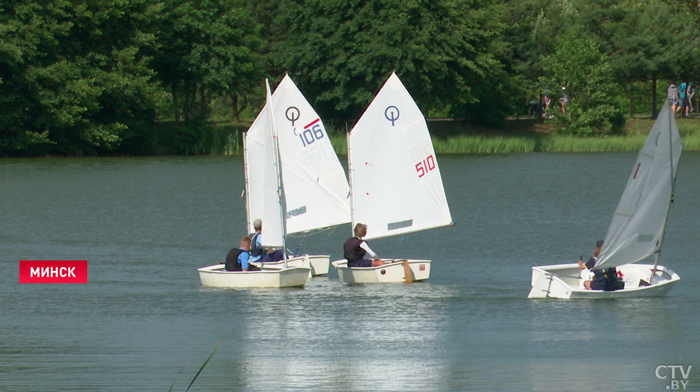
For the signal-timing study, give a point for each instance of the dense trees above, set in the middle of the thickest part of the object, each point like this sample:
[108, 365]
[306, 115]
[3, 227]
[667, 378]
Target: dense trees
[585, 75]
[75, 76]
[92, 76]
[342, 51]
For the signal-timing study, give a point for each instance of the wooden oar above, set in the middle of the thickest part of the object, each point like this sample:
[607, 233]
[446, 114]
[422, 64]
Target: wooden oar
[407, 271]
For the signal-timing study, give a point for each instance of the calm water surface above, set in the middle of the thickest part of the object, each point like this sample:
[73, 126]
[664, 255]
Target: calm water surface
[144, 321]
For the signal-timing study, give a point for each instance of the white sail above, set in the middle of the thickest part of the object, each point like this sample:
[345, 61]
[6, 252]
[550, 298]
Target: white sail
[315, 186]
[263, 182]
[395, 181]
[254, 162]
[637, 227]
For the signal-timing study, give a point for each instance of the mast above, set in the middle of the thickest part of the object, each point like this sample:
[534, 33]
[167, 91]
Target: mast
[249, 220]
[351, 192]
[278, 172]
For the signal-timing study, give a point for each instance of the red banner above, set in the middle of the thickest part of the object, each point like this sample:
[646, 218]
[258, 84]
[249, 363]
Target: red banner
[53, 271]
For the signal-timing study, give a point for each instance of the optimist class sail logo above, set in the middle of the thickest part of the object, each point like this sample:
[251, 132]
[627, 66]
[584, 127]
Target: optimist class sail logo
[53, 271]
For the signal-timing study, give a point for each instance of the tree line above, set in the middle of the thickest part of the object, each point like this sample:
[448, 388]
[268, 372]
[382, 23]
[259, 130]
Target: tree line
[91, 77]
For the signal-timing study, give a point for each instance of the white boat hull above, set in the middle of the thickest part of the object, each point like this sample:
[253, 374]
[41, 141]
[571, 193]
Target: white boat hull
[217, 276]
[566, 281]
[392, 272]
[319, 263]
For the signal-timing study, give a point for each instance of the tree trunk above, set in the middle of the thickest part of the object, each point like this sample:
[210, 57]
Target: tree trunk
[203, 103]
[234, 107]
[631, 100]
[176, 105]
[188, 102]
[654, 111]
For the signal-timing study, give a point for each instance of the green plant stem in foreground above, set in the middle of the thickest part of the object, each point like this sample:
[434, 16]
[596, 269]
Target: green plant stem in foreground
[200, 369]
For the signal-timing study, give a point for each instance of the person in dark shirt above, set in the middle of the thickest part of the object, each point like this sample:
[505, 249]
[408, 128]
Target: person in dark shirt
[603, 279]
[355, 250]
[237, 259]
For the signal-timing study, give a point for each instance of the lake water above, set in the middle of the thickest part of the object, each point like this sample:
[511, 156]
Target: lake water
[144, 321]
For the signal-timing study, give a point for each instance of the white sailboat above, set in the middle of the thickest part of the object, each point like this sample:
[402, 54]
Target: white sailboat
[395, 182]
[314, 182]
[637, 228]
[271, 193]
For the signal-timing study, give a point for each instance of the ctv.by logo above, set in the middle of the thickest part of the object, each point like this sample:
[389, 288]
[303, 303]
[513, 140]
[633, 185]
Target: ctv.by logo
[671, 373]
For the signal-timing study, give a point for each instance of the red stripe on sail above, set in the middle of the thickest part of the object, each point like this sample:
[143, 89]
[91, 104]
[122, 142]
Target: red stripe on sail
[636, 171]
[312, 123]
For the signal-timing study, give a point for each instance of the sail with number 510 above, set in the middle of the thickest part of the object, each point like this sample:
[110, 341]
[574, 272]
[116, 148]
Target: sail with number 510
[396, 186]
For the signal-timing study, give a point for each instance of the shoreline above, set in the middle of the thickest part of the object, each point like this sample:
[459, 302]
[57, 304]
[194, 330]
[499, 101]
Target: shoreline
[449, 136]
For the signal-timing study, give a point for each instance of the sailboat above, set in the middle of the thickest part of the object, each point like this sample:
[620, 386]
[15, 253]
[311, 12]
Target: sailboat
[271, 193]
[395, 182]
[314, 182]
[637, 228]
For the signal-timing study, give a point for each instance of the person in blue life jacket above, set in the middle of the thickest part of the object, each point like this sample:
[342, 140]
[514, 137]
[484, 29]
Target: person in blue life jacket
[356, 248]
[238, 259]
[257, 253]
[256, 250]
[683, 101]
[603, 279]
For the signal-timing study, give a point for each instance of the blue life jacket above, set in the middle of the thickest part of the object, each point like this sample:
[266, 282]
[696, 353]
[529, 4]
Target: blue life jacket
[255, 248]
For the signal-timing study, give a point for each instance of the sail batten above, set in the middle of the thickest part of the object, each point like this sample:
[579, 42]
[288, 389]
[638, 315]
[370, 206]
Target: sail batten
[637, 228]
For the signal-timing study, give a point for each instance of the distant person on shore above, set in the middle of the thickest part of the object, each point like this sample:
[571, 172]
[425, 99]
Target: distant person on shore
[238, 259]
[691, 92]
[682, 90]
[603, 279]
[564, 100]
[672, 94]
[547, 103]
[355, 249]
[687, 98]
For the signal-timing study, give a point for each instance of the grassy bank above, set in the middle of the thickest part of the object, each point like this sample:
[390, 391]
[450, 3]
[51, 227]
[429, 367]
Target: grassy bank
[449, 137]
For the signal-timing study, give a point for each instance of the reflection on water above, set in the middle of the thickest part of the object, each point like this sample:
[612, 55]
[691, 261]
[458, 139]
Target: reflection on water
[144, 321]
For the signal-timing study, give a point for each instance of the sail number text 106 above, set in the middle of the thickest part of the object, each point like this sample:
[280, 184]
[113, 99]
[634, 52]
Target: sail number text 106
[312, 132]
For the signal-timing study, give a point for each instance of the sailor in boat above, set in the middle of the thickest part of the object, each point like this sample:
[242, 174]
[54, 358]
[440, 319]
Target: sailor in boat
[603, 279]
[256, 250]
[355, 249]
[238, 259]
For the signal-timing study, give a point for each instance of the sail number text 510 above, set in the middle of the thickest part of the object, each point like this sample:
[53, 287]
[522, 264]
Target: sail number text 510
[423, 157]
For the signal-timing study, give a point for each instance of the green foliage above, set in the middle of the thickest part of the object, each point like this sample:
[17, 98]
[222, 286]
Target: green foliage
[90, 77]
[501, 144]
[586, 77]
[208, 49]
[341, 52]
[75, 77]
